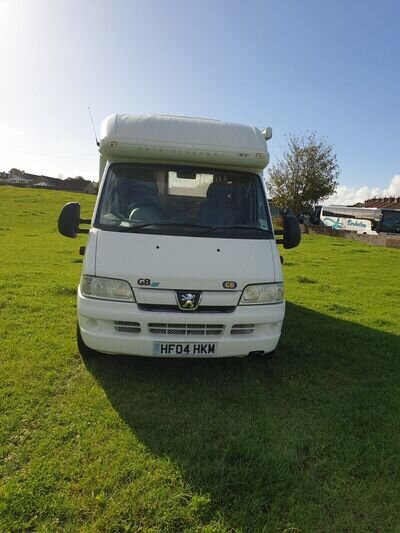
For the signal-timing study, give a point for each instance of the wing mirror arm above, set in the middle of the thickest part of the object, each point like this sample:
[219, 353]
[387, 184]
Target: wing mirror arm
[83, 221]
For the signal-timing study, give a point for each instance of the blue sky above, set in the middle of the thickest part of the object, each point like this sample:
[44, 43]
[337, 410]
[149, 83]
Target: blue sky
[328, 66]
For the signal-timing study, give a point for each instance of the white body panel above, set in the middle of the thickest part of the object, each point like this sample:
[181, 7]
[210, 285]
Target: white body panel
[176, 262]
[97, 324]
[187, 140]
[185, 262]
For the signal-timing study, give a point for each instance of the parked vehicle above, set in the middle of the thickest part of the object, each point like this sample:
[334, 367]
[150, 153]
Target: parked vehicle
[358, 219]
[363, 220]
[181, 258]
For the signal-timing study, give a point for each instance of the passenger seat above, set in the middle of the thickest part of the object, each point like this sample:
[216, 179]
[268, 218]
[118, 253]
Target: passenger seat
[215, 211]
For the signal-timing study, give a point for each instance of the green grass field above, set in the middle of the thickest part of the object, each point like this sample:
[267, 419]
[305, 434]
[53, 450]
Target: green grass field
[308, 441]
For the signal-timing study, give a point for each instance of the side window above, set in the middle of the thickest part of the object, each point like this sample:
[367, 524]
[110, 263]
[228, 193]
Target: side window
[262, 212]
[111, 200]
[110, 205]
[391, 222]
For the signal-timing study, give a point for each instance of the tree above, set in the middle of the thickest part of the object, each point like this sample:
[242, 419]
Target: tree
[306, 173]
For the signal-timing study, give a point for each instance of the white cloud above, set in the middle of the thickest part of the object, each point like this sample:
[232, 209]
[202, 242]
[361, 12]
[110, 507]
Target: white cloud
[349, 195]
[7, 133]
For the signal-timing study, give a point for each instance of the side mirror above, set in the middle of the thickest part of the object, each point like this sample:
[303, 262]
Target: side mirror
[69, 220]
[291, 233]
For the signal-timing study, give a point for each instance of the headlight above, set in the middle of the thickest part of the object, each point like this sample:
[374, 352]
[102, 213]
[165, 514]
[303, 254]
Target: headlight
[267, 293]
[106, 289]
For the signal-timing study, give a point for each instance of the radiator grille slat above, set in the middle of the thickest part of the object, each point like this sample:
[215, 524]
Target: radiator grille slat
[186, 329]
[175, 309]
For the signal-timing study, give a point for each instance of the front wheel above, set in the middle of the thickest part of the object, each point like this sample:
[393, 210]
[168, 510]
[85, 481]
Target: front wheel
[262, 355]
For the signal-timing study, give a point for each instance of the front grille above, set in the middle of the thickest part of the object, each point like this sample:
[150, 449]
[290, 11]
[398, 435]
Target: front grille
[175, 308]
[127, 327]
[242, 329]
[186, 329]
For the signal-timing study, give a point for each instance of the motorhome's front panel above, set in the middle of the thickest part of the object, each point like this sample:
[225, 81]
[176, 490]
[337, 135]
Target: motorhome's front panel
[181, 262]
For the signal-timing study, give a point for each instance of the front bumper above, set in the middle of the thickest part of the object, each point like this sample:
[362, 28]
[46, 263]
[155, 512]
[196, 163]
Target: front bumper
[97, 322]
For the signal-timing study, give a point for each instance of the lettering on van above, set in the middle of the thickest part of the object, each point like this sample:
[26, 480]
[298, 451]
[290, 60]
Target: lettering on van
[146, 282]
[357, 223]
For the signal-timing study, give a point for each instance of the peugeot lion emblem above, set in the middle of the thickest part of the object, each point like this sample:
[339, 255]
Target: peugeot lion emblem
[188, 300]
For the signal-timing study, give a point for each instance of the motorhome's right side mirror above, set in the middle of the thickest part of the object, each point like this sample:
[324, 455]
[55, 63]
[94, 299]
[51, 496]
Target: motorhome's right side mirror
[69, 218]
[291, 232]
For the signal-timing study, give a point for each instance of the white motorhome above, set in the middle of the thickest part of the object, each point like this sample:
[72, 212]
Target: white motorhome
[181, 258]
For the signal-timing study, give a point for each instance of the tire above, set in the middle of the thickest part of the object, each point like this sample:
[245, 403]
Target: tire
[264, 356]
[269, 355]
[85, 351]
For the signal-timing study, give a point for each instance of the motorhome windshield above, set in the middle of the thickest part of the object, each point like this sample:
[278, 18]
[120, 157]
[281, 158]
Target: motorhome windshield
[183, 201]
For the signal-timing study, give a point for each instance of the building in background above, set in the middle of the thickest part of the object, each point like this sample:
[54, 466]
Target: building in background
[25, 179]
[387, 202]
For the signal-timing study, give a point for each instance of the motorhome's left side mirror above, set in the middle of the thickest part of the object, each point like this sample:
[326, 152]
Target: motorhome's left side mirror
[68, 220]
[291, 232]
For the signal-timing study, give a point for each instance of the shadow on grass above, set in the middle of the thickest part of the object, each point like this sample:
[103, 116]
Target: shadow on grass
[299, 439]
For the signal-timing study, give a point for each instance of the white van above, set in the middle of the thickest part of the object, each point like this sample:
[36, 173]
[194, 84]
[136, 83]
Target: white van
[181, 258]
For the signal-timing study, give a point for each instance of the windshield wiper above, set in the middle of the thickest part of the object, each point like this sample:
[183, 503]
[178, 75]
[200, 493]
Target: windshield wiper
[133, 229]
[236, 226]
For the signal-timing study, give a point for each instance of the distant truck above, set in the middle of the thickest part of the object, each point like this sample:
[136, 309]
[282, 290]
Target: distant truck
[362, 220]
[181, 258]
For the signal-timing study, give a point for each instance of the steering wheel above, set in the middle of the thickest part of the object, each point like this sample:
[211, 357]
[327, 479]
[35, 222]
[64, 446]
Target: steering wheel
[145, 212]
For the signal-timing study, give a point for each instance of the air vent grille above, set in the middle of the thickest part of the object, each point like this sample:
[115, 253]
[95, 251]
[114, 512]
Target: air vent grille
[127, 327]
[242, 329]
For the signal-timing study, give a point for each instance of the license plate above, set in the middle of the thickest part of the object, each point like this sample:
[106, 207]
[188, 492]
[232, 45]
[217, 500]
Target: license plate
[185, 348]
